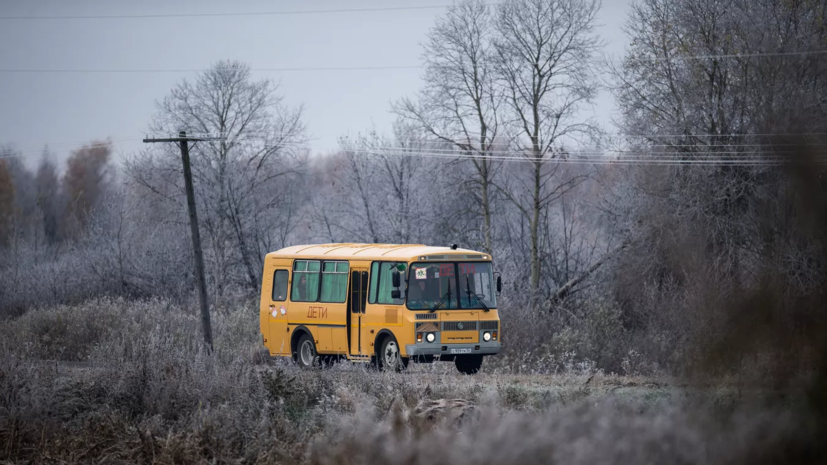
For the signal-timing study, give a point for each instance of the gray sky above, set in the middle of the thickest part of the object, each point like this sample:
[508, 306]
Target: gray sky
[64, 110]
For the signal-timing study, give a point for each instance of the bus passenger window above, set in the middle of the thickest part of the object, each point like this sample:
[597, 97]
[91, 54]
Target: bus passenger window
[334, 282]
[280, 285]
[305, 281]
[374, 281]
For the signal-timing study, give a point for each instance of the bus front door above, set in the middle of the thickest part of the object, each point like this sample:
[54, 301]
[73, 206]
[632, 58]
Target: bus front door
[277, 314]
[357, 298]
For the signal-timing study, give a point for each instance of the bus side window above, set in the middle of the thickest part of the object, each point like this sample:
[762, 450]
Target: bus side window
[334, 282]
[305, 281]
[374, 282]
[385, 287]
[280, 285]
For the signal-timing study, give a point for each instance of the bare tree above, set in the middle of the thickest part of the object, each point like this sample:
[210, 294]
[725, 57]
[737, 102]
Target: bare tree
[544, 53]
[384, 191]
[460, 102]
[360, 177]
[701, 78]
[243, 183]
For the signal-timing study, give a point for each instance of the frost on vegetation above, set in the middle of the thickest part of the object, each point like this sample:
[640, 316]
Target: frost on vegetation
[148, 392]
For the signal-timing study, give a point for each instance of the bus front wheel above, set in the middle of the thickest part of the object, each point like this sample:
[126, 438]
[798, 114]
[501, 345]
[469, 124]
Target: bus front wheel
[468, 364]
[389, 357]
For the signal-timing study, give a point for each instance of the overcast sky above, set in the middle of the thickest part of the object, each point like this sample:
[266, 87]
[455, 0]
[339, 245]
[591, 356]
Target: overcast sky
[64, 110]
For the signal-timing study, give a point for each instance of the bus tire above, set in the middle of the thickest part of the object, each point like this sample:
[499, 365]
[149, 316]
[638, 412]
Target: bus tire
[306, 355]
[389, 358]
[468, 364]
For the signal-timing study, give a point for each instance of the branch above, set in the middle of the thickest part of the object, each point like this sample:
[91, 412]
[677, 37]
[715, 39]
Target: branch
[566, 289]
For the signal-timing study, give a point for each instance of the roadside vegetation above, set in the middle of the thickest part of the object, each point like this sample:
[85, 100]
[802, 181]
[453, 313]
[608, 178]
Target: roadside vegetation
[144, 391]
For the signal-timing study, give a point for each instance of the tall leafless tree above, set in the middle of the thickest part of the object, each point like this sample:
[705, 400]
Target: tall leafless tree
[460, 101]
[240, 182]
[545, 52]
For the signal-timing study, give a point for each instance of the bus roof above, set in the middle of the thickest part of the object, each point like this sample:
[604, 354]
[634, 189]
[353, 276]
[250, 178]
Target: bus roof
[401, 252]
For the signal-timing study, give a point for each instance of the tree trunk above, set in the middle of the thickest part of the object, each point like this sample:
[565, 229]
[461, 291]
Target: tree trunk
[244, 250]
[486, 209]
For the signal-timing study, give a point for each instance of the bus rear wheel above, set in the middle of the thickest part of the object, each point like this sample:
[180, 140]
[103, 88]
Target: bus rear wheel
[468, 364]
[306, 355]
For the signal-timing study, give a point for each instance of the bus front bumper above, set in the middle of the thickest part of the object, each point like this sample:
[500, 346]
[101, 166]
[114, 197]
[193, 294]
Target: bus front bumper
[481, 348]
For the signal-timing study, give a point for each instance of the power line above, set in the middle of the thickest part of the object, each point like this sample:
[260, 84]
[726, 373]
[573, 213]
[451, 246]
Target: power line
[653, 136]
[586, 157]
[574, 154]
[200, 70]
[620, 135]
[768, 160]
[702, 150]
[740, 55]
[225, 14]
[357, 68]
[739, 151]
[731, 150]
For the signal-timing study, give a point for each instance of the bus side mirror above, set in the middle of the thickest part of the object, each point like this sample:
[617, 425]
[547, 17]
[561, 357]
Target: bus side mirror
[396, 294]
[395, 279]
[499, 284]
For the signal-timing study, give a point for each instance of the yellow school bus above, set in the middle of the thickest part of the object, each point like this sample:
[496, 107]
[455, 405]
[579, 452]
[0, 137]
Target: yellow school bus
[380, 303]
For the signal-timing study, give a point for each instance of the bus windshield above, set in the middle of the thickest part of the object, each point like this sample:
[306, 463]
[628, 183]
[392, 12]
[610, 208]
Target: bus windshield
[476, 284]
[440, 286]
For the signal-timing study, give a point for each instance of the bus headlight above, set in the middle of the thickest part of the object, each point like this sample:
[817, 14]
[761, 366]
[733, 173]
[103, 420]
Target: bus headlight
[486, 336]
[430, 337]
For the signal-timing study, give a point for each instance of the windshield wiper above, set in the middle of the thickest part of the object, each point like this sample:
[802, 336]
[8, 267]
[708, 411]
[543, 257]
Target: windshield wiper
[445, 297]
[470, 293]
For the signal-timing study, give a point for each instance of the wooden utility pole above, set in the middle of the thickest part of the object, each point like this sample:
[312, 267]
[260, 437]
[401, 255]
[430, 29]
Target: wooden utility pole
[183, 142]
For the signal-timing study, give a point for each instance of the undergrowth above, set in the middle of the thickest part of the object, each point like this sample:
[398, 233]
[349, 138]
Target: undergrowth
[126, 382]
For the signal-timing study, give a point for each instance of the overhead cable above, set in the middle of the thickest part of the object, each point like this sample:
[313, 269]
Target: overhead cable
[226, 14]
[348, 68]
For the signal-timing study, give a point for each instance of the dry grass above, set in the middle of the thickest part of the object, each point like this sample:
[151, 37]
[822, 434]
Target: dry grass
[142, 390]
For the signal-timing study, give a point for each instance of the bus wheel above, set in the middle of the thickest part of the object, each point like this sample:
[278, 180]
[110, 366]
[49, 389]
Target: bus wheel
[306, 355]
[468, 364]
[389, 357]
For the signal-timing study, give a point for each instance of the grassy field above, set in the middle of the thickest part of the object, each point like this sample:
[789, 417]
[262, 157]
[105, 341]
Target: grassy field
[124, 382]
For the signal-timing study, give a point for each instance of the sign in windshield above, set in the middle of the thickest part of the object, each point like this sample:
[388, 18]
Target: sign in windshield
[439, 286]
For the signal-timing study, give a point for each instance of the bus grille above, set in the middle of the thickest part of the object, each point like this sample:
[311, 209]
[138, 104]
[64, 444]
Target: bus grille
[426, 316]
[426, 327]
[459, 325]
[489, 325]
